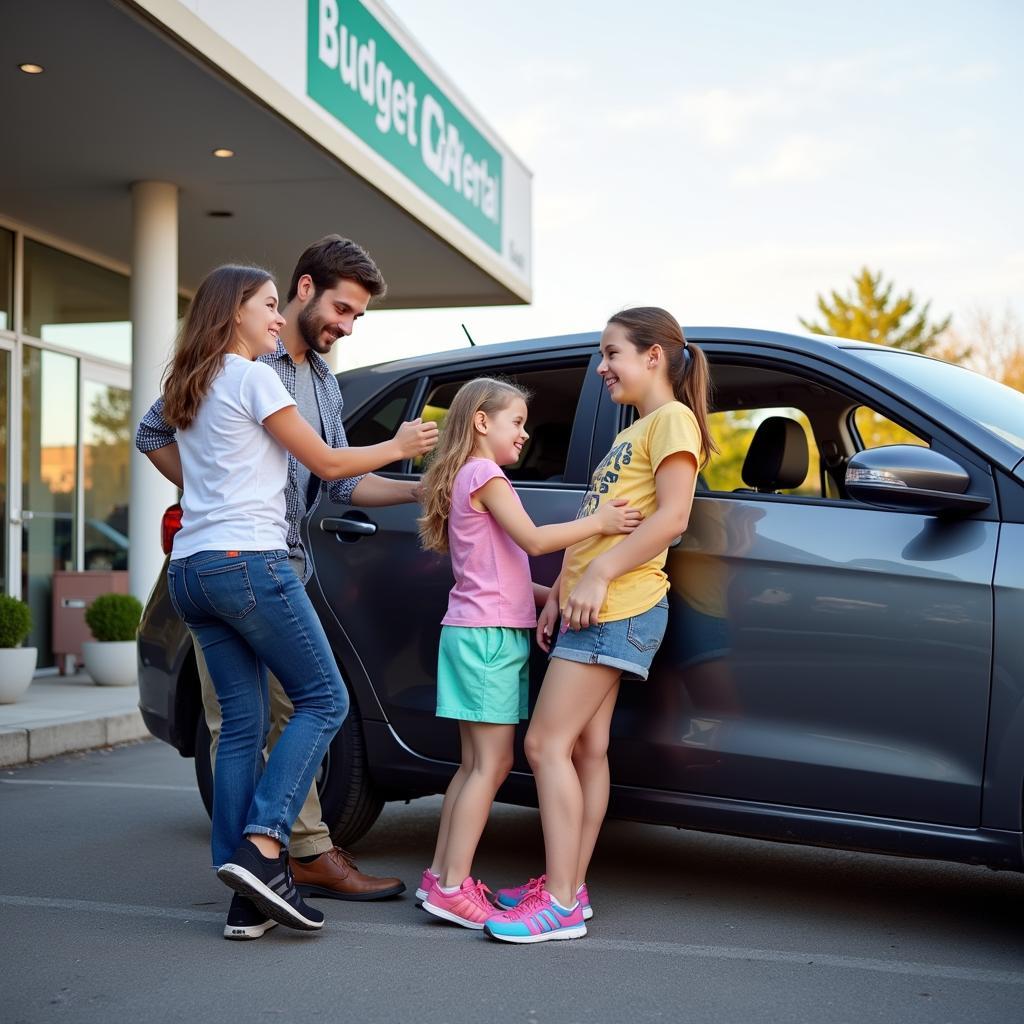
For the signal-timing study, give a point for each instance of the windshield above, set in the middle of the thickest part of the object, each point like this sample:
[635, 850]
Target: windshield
[994, 406]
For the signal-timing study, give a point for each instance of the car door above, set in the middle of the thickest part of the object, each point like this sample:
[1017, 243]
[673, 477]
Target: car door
[388, 597]
[821, 653]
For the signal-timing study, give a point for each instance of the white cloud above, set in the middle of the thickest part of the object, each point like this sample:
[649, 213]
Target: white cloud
[796, 159]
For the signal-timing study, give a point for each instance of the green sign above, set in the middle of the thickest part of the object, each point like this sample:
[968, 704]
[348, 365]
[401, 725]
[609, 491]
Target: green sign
[363, 77]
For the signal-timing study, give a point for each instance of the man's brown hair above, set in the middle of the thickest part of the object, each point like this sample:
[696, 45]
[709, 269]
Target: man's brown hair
[334, 259]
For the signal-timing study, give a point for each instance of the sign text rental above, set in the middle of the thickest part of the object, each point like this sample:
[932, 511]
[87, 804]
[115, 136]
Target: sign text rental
[361, 75]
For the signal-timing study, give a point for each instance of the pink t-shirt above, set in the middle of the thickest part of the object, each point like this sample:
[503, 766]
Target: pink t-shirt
[493, 586]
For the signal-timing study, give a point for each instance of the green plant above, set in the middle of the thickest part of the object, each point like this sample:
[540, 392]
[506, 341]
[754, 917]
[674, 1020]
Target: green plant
[114, 617]
[15, 621]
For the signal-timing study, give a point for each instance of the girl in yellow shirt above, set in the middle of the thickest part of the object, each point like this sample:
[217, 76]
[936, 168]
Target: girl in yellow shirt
[611, 597]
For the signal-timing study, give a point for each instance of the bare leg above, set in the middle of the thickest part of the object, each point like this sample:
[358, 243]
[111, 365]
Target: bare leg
[590, 759]
[571, 695]
[450, 796]
[492, 761]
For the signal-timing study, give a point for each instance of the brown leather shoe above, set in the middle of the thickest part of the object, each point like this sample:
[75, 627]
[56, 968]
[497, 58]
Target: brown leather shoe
[335, 876]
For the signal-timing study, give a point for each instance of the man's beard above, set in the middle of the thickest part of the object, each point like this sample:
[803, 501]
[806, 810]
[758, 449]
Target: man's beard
[311, 327]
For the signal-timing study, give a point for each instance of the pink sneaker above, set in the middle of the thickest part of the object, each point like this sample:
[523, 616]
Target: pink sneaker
[468, 905]
[507, 899]
[428, 879]
[538, 918]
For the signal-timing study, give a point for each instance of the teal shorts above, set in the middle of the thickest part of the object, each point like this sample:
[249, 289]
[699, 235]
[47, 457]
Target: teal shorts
[483, 674]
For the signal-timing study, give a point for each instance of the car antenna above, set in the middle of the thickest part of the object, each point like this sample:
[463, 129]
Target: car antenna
[472, 343]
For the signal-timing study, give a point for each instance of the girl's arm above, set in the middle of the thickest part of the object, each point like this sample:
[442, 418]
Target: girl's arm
[292, 432]
[498, 498]
[674, 483]
[548, 617]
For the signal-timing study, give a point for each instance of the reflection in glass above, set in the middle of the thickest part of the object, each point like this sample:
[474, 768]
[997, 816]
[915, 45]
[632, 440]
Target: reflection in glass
[49, 480]
[5, 369]
[6, 281]
[74, 303]
[107, 433]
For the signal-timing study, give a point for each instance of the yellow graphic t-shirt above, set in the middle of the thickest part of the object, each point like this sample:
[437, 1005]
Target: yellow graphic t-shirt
[627, 471]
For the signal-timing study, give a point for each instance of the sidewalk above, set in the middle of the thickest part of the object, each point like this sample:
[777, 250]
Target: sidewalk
[59, 714]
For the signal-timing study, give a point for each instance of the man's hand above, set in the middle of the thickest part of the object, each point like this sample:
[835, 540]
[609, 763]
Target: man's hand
[416, 438]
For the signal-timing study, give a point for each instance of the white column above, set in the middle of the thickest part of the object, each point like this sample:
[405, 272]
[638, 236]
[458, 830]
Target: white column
[154, 310]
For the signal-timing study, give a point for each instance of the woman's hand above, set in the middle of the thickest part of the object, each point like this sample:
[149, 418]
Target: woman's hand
[614, 517]
[584, 604]
[547, 620]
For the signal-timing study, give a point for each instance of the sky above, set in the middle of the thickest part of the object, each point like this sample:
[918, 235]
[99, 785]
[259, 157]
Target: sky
[730, 161]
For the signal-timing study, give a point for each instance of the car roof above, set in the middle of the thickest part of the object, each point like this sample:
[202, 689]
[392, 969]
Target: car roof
[807, 343]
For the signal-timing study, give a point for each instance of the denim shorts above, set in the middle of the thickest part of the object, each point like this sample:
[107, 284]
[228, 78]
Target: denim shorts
[629, 644]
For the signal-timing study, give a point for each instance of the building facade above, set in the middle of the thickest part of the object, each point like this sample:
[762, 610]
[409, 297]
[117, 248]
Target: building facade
[153, 140]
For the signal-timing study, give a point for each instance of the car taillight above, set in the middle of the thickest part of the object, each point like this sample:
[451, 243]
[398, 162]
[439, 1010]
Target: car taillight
[169, 526]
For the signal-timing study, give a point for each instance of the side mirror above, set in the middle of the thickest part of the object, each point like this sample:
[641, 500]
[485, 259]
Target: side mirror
[911, 478]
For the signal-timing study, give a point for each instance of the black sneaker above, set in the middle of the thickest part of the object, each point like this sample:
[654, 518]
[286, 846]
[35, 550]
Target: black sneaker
[246, 920]
[267, 881]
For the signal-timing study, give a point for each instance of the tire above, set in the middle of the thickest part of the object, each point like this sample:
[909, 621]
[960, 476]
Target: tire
[348, 798]
[204, 770]
[348, 801]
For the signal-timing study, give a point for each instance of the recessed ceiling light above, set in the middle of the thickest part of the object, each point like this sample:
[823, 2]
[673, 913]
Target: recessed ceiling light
[223, 153]
[219, 213]
[31, 69]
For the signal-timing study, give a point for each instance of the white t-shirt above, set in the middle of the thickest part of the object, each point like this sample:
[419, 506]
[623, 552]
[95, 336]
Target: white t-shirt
[234, 471]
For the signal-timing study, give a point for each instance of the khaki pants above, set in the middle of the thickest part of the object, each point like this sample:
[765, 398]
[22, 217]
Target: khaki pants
[310, 836]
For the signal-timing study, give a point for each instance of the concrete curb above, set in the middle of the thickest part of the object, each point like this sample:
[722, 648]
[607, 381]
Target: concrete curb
[19, 746]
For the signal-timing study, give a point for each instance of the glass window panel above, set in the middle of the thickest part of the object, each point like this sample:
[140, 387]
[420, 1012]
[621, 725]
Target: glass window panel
[49, 482]
[733, 432]
[5, 369]
[876, 430]
[74, 303]
[105, 451]
[6, 280]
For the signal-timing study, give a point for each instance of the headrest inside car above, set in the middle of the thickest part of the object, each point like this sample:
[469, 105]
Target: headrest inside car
[777, 458]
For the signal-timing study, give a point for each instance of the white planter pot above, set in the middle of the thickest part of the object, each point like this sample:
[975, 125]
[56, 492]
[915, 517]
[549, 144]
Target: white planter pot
[112, 662]
[16, 667]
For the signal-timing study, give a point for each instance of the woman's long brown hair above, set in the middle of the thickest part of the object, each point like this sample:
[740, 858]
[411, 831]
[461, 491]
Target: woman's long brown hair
[487, 395]
[688, 371]
[206, 335]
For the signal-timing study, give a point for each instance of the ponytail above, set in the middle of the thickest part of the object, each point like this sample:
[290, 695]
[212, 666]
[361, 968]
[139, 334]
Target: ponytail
[688, 369]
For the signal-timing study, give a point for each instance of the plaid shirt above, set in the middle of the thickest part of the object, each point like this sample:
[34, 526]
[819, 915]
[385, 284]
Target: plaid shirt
[155, 432]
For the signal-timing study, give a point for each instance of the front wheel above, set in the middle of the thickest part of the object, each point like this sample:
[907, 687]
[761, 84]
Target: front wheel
[349, 803]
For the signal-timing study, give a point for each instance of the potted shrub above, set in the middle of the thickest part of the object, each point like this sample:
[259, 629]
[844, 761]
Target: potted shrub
[17, 663]
[113, 619]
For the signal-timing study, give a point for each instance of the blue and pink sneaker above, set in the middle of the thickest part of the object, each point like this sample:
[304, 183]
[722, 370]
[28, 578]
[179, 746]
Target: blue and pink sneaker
[537, 918]
[507, 899]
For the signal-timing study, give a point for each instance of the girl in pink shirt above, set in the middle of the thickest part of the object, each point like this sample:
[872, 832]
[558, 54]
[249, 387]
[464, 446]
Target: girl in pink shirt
[472, 512]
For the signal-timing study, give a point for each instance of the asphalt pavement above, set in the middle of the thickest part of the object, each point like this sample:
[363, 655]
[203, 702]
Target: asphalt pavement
[109, 911]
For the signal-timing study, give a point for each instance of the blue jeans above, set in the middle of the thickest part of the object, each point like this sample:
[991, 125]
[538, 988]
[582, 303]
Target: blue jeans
[249, 612]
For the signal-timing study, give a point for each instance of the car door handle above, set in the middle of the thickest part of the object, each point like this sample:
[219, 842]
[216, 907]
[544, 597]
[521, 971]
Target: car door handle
[354, 525]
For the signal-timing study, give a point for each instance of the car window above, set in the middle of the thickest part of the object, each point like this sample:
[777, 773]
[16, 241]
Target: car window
[552, 408]
[381, 421]
[733, 430]
[875, 430]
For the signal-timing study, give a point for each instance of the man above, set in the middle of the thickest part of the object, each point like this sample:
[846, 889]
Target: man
[331, 287]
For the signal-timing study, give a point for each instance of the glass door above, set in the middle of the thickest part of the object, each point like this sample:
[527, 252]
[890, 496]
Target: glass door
[106, 447]
[49, 499]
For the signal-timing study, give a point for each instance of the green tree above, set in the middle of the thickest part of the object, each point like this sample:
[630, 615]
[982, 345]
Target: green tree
[869, 312]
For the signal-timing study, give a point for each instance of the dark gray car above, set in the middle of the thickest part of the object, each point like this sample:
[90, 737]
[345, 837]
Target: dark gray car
[844, 662]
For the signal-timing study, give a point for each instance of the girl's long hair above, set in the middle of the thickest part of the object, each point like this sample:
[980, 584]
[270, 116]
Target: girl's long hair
[206, 334]
[688, 371]
[485, 394]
